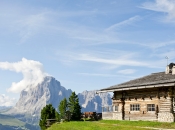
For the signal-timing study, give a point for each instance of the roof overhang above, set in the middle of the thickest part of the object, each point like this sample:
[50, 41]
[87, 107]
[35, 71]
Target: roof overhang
[134, 88]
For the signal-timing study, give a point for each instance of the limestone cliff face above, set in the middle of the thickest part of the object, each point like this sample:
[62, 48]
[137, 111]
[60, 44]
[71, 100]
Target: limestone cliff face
[90, 101]
[34, 98]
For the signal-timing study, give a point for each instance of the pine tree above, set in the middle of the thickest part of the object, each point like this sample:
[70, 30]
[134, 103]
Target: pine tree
[63, 108]
[48, 112]
[57, 116]
[74, 107]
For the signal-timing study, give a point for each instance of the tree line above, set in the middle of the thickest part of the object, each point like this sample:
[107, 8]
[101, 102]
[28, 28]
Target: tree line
[67, 110]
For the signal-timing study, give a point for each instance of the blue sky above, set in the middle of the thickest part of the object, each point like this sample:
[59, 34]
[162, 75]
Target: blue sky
[86, 45]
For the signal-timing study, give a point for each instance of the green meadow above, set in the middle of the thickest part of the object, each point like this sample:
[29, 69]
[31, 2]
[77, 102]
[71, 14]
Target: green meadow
[111, 125]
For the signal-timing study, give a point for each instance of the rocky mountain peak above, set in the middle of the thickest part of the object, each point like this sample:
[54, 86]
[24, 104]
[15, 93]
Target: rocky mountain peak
[34, 98]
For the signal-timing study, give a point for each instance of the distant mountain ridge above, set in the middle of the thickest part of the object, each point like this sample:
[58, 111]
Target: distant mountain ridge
[90, 101]
[4, 108]
[34, 98]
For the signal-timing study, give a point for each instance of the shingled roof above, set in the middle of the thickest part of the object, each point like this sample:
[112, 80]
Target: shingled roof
[152, 79]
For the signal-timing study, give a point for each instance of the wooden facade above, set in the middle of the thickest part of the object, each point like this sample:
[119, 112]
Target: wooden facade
[148, 98]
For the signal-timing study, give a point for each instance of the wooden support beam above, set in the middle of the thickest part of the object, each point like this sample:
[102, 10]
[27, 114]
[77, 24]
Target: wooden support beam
[129, 98]
[150, 97]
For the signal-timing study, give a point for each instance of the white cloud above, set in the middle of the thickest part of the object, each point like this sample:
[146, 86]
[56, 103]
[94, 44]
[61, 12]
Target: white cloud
[110, 59]
[7, 101]
[124, 23]
[79, 13]
[106, 75]
[27, 23]
[156, 45]
[32, 71]
[118, 61]
[127, 71]
[23, 22]
[31, 24]
[165, 6]
[97, 74]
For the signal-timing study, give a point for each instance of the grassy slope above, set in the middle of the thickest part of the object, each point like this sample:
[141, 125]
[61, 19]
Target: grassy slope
[141, 123]
[10, 121]
[110, 125]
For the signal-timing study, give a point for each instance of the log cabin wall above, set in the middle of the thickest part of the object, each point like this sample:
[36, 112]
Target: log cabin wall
[151, 97]
[144, 104]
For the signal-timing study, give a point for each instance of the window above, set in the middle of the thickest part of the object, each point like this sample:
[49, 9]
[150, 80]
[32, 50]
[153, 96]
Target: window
[135, 107]
[116, 108]
[150, 107]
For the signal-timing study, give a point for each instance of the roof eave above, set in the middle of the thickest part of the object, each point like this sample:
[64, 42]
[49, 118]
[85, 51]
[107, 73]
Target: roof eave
[136, 87]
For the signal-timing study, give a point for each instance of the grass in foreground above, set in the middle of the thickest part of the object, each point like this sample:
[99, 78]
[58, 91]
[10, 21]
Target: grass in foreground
[110, 125]
[90, 126]
[141, 123]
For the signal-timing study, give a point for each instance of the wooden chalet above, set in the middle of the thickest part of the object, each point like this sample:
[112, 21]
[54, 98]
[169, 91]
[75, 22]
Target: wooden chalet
[151, 97]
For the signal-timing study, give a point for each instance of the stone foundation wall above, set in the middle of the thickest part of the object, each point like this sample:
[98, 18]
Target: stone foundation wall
[162, 117]
[111, 116]
[165, 117]
[107, 115]
[117, 116]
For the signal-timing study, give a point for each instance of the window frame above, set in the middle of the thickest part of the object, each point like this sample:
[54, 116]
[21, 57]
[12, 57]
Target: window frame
[151, 108]
[135, 107]
[116, 108]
